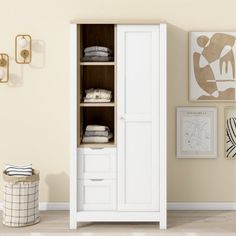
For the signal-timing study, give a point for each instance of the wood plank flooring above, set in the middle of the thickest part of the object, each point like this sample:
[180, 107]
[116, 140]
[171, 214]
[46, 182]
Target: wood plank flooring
[187, 223]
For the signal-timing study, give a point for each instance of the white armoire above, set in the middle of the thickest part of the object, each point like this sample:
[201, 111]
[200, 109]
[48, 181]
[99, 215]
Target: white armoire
[124, 179]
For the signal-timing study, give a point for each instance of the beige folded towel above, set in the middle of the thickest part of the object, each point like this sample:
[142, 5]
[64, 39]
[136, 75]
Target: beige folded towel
[97, 139]
[96, 128]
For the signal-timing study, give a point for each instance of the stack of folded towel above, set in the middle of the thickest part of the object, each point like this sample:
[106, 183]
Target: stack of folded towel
[97, 95]
[97, 53]
[12, 170]
[97, 134]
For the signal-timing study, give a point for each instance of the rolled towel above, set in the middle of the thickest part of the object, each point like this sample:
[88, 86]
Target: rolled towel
[22, 170]
[97, 48]
[97, 128]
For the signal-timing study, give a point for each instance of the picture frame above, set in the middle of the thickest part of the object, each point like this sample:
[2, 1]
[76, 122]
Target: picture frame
[196, 132]
[230, 133]
[212, 68]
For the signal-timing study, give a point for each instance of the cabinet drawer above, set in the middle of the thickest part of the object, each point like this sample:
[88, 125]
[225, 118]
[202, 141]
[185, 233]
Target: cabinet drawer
[96, 163]
[96, 194]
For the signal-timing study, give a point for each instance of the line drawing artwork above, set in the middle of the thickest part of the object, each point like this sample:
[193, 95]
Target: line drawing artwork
[196, 134]
[212, 66]
[231, 138]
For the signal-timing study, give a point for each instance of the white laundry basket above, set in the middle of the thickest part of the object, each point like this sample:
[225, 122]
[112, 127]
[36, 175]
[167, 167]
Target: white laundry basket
[20, 200]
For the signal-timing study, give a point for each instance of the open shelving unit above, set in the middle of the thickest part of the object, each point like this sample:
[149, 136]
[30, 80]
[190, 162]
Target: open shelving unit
[96, 75]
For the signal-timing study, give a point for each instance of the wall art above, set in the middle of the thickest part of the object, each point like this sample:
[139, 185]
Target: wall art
[212, 66]
[230, 132]
[196, 132]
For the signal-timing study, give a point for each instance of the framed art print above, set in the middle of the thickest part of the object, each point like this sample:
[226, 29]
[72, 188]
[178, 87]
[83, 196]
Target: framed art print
[196, 132]
[230, 133]
[212, 66]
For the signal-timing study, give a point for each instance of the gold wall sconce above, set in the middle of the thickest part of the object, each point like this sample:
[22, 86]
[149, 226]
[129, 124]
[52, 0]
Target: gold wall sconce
[4, 68]
[23, 49]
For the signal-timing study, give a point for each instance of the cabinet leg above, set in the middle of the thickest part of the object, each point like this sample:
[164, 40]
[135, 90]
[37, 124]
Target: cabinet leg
[163, 224]
[73, 224]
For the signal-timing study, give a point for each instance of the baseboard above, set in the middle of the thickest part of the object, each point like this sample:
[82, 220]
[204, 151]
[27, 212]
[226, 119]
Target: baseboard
[178, 206]
[51, 206]
[202, 206]
[54, 206]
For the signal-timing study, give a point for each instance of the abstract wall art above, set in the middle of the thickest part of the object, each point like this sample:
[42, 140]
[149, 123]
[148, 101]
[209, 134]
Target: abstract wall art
[196, 132]
[230, 132]
[212, 66]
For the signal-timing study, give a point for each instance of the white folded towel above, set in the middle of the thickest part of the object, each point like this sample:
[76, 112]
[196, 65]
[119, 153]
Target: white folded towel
[96, 100]
[96, 128]
[98, 93]
[23, 170]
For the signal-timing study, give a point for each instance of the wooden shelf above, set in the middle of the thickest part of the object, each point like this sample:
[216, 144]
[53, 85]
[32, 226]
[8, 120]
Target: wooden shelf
[97, 104]
[98, 145]
[108, 63]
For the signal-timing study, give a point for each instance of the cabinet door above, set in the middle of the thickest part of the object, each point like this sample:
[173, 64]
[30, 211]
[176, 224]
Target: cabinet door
[138, 117]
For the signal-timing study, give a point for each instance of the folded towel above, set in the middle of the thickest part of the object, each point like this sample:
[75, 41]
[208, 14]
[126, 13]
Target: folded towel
[96, 128]
[97, 48]
[96, 133]
[97, 59]
[98, 93]
[96, 100]
[25, 170]
[97, 54]
[96, 139]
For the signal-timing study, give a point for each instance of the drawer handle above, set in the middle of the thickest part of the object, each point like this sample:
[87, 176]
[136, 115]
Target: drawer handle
[96, 179]
[94, 148]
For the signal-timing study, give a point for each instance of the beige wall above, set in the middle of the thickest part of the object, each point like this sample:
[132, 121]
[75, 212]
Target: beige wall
[34, 110]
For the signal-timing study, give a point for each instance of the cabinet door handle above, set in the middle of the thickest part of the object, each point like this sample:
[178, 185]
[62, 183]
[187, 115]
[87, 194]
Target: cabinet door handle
[122, 118]
[96, 179]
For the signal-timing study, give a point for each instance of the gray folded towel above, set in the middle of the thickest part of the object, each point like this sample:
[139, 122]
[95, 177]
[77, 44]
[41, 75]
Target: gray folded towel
[97, 48]
[97, 54]
[96, 133]
[98, 59]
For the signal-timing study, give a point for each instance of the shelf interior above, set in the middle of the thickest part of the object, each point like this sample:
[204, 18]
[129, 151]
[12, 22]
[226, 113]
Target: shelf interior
[97, 35]
[96, 116]
[101, 77]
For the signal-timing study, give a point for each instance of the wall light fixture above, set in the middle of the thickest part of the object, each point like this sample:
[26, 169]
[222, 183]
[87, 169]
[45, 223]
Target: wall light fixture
[23, 49]
[4, 68]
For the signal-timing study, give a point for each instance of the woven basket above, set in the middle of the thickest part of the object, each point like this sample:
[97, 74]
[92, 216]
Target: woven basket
[20, 200]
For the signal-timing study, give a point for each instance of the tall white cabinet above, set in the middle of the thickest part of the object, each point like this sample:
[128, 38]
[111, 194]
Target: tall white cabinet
[125, 179]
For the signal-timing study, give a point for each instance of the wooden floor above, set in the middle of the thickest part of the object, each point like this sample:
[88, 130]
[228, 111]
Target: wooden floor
[187, 223]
